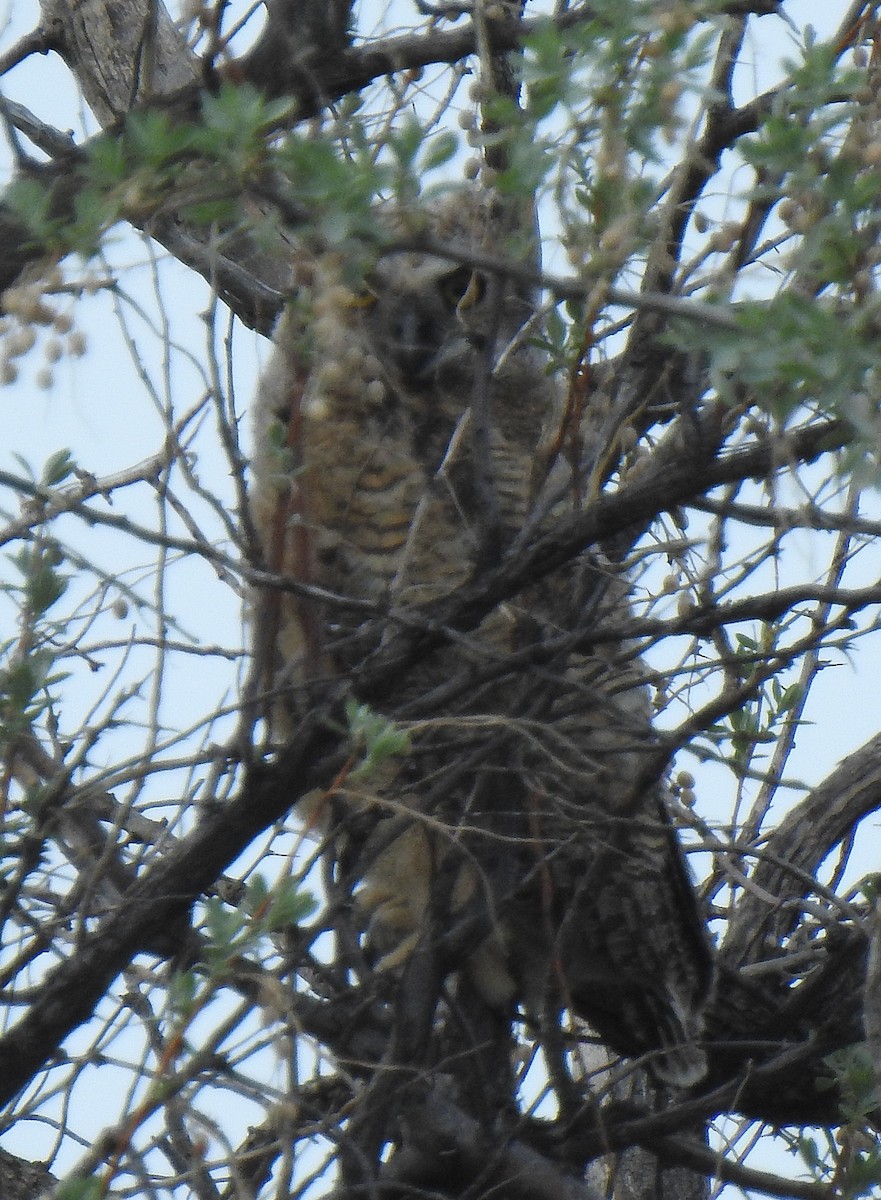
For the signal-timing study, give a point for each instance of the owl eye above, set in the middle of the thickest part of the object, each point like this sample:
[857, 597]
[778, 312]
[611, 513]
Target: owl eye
[365, 297]
[462, 287]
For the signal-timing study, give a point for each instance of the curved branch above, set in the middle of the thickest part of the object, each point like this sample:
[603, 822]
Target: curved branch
[803, 839]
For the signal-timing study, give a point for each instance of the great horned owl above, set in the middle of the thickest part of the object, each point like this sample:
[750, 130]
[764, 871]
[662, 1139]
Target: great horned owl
[398, 428]
[364, 416]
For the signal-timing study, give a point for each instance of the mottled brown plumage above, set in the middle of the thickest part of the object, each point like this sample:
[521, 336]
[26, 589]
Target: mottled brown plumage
[398, 429]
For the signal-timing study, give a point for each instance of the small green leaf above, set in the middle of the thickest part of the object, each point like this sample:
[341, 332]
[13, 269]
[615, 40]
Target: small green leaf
[106, 161]
[809, 1152]
[182, 992]
[210, 212]
[790, 698]
[225, 928]
[80, 1189]
[153, 139]
[290, 904]
[279, 907]
[406, 141]
[440, 150]
[31, 201]
[379, 737]
[44, 586]
[58, 467]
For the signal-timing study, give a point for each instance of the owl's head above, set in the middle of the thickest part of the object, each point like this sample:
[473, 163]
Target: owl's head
[435, 325]
[419, 316]
[432, 321]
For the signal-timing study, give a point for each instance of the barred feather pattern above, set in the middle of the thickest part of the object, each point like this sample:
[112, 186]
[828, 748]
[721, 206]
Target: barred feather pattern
[523, 790]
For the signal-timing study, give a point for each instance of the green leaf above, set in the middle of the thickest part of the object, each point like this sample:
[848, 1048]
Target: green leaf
[790, 698]
[809, 1152]
[225, 928]
[209, 212]
[44, 586]
[406, 141]
[235, 121]
[106, 161]
[58, 467]
[379, 737]
[153, 140]
[855, 1073]
[80, 1189]
[182, 992]
[30, 201]
[290, 904]
[94, 213]
[440, 150]
[279, 907]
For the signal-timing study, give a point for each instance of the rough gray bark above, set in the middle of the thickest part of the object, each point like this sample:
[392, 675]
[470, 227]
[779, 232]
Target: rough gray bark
[23, 1180]
[122, 52]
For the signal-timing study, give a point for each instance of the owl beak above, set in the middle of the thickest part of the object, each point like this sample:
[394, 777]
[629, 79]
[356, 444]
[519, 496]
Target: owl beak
[415, 349]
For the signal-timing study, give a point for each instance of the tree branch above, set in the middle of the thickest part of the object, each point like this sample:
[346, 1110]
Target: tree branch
[803, 839]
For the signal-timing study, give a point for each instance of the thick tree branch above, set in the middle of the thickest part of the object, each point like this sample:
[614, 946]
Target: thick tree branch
[802, 840]
[676, 475]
